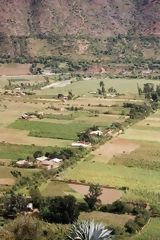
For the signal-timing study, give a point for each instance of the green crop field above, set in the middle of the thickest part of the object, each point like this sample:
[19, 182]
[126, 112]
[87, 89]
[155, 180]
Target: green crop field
[14, 151]
[141, 182]
[5, 172]
[49, 130]
[86, 86]
[55, 188]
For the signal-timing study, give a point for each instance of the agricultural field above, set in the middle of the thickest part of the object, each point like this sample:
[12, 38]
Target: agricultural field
[85, 87]
[107, 218]
[128, 163]
[56, 188]
[131, 160]
[14, 69]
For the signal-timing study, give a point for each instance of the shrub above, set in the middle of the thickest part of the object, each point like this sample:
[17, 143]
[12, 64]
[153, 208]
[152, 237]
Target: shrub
[117, 230]
[83, 207]
[131, 227]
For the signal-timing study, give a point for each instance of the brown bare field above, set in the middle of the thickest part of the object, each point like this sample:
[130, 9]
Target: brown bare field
[108, 195]
[7, 181]
[14, 69]
[15, 136]
[113, 148]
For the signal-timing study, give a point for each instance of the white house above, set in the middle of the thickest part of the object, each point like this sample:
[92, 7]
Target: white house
[79, 144]
[41, 159]
[97, 133]
[56, 160]
[24, 163]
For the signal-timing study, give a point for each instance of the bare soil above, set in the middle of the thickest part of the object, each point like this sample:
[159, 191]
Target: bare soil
[108, 196]
[14, 69]
[6, 181]
[116, 147]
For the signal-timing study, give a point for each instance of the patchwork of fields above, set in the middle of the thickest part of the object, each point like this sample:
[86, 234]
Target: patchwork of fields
[129, 161]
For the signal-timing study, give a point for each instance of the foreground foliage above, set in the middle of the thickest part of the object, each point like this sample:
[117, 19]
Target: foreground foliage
[89, 231]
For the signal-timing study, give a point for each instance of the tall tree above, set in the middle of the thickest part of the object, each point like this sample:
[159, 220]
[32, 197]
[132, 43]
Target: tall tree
[92, 198]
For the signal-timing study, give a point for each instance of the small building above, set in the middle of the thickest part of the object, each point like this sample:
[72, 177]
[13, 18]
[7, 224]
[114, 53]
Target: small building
[97, 133]
[80, 144]
[56, 160]
[46, 164]
[30, 206]
[42, 158]
[24, 163]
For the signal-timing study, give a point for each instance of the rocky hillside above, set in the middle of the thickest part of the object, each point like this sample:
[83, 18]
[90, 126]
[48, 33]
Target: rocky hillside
[26, 24]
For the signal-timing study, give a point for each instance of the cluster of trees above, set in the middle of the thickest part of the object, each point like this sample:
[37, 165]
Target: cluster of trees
[150, 91]
[59, 209]
[102, 90]
[87, 137]
[141, 214]
[138, 111]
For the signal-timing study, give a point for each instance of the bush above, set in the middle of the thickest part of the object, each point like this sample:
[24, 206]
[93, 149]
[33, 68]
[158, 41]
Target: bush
[131, 227]
[117, 230]
[106, 208]
[60, 210]
[83, 207]
[117, 207]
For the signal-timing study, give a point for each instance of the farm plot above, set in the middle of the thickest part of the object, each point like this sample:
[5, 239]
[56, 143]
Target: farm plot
[50, 130]
[14, 151]
[56, 188]
[6, 178]
[114, 148]
[138, 180]
[15, 136]
[86, 86]
[147, 156]
[15, 69]
[13, 110]
[145, 130]
[142, 135]
[106, 218]
[108, 195]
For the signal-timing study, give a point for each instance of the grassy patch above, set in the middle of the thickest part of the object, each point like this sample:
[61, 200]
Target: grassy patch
[55, 188]
[146, 156]
[84, 87]
[5, 172]
[150, 232]
[50, 130]
[14, 151]
[138, 180]
[106, 218]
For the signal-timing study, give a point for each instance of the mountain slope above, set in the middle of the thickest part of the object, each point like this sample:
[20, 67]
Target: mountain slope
[25, 17]
[23, 21]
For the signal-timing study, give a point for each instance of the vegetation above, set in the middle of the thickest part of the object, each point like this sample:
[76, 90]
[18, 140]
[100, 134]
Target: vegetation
[92, 198]
[88, 231]
[49, 130]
